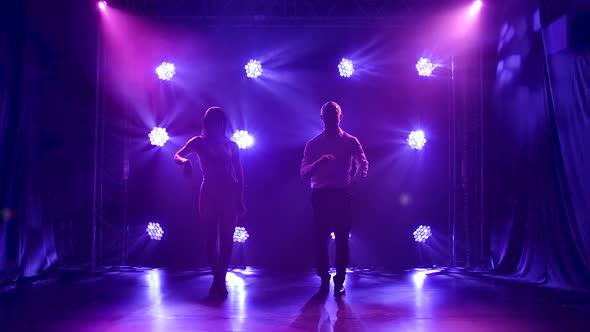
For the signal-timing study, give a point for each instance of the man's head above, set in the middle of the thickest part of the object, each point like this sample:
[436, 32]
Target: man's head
[331, 114]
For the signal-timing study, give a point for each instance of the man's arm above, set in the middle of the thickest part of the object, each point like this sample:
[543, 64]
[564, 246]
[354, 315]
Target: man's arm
[308, 165]
[190, 147]
[362, 164]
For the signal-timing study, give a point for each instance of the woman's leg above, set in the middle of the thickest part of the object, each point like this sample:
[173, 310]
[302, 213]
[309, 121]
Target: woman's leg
[227, 225]
[210, 227]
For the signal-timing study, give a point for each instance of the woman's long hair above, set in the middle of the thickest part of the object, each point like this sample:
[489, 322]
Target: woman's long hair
[215, 123]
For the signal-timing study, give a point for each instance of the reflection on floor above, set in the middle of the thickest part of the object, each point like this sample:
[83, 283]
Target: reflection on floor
[259, 300]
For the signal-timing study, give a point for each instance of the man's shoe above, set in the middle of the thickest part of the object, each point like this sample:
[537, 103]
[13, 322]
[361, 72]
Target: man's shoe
[339, 290]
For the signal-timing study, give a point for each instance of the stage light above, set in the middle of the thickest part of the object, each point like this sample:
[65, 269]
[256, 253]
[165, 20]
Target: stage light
[165, 71]
[253, 68]
[102, 5]
[158, 136]
[333, 236]
[422, 233]
[425, 67]
[404, 199]
[346, 68]
[475, 7]
[241, 235]
[154, 231]
[5, 214]
[416, 139]
[243, 139]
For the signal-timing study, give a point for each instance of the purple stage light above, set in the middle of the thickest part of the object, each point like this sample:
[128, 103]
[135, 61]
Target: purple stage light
[158, 136]
[102, 5]
[253, 68]
[416, 140]
[425, 67]
[346, 68]
[243, 139]
[241, 235]
[475, 7]
[422, 233]
[165, 71]
[154, 231]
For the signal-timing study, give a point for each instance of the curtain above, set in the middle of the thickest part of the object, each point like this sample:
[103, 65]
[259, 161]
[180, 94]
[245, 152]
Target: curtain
[537, 151]
[26, 238]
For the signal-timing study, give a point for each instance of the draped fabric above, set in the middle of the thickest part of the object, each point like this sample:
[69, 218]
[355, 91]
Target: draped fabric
[26, 238]
[538, 151]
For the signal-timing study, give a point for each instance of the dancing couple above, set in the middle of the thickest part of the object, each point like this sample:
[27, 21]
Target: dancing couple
[327, 162]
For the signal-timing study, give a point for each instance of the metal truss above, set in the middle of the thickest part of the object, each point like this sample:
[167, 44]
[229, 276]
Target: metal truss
[110, 225]
[467, 180]
[284, 8]
[110, 182]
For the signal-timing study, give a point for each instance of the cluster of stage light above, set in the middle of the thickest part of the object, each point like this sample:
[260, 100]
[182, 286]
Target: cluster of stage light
[346, 68]
[416, 140]
[158, 136]
[333, 236]
[241, 235]
[253, 68]
[422, 233]
[243, 139]
[424, 67]
[165, 71]
[154, 231]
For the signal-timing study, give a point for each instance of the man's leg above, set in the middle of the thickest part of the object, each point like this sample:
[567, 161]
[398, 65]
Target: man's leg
[342, 225]
[321, 237]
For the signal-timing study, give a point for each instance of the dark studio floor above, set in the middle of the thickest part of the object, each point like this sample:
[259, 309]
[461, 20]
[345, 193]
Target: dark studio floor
[158, 300]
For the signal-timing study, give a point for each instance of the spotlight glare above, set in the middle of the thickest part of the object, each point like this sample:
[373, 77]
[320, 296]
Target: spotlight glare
[475, 7]
[253, 68]
[346, 68]
[165, 71]
[158, 136]
[154, 231]
[243, 139]
[425, 67]
[241, 235]
[422, 233]
[102, 5]
[416, 140]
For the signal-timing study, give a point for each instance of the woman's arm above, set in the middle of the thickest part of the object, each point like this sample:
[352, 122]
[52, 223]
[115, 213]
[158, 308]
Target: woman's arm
[190, 147]
[239, 171]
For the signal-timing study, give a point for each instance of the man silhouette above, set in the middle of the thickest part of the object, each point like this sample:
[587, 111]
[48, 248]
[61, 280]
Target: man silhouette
[327, 161]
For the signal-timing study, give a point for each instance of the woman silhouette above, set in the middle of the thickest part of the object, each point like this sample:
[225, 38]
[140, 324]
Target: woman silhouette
[221, 195]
